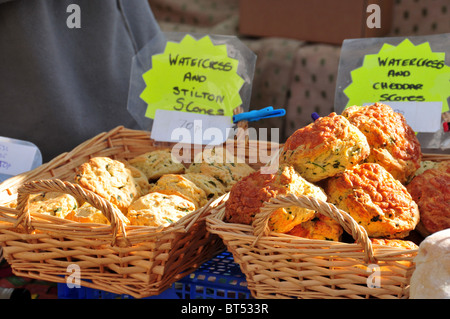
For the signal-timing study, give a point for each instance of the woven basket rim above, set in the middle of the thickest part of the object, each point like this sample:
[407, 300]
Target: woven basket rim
[229, 231]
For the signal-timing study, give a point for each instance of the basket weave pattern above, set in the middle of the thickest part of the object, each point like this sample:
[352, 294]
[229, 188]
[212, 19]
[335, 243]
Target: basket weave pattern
[284, 266]
[136, 260]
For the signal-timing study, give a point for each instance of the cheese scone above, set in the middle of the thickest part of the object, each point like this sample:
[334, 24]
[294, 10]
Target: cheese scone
[320, 227]
[157, 163]
[211, 186]
[431, 191]
[222, 165]
[52, 203]
[393, 143]
[156, 209]
[87, 213]
[375, 199]
[110, 179]
[248, 195]
[325, 147]
[178, 184]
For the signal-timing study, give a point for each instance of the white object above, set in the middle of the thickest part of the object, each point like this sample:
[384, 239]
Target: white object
[431, 278]
[423, 117]
[17, 156]
[190, 128]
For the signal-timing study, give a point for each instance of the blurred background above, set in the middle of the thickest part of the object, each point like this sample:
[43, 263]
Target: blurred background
[298, 44]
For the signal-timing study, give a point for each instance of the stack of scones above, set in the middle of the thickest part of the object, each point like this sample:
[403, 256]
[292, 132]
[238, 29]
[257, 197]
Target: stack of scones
[362, 161]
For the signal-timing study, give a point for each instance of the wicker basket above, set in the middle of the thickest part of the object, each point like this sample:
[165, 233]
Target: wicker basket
[284, 266]
[135, 260]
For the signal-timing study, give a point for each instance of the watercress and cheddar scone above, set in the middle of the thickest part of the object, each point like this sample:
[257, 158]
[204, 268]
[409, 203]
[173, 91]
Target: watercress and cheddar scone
[393, 143]
[325, 147]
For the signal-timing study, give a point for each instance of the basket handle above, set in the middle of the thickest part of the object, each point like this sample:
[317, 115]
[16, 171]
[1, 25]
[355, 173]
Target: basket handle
[260, 223]
[111, 212]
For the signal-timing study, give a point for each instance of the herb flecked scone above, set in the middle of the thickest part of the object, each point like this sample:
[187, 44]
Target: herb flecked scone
[375, 199]
[393, 143]
[52, 203]
[248, 195]
[222, 165]
[325, 147]
[211, 186]
[110, 179]
[177, 184]
[157, 163]
[156, 209]
[87, 213]
[320, 227]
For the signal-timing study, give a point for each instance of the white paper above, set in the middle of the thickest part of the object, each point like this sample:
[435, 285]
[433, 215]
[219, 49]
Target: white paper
[16, 158]
[190, 128]
[423, 117]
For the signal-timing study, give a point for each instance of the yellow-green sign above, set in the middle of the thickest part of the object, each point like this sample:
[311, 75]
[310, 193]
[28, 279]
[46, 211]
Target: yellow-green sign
[193, 76]
[402, 73]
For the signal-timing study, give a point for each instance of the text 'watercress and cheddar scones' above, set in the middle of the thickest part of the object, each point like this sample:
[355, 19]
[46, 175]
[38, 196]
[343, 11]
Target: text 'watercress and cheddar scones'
[431, 191]
[110, 179]
[325, 147]
[156, 209]
[52, 203]
[248, 195]
[157, 163]
[179, 185]
[320, 227]
[393, 143]
[375, 199]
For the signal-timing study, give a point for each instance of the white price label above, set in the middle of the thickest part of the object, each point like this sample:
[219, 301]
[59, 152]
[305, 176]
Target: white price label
[423, 117]
[190, 128]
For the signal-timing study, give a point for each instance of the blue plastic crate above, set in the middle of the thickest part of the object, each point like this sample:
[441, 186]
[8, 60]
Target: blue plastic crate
[64, 292]
[218, 278]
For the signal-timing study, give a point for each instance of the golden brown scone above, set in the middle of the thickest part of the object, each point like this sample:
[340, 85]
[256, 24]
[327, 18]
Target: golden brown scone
[320, 227]
[139, 177]
[156, 209]
[179, 185]
[157, 163]
[393, 143]
[431, 191]
[87, 213]
[221, 165]
[395, 243]
[248, 195]
[110, 179]
[375, 199]
[52, 203]
[325, 147]
[400, 243]
[211, 186]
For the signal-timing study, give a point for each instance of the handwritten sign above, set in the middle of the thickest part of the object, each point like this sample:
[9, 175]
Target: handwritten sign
[15, 158]
[193, 76]
[402, 74]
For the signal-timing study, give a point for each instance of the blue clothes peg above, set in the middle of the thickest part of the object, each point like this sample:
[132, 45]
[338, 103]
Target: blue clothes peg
[256, 115]
[315, 116]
